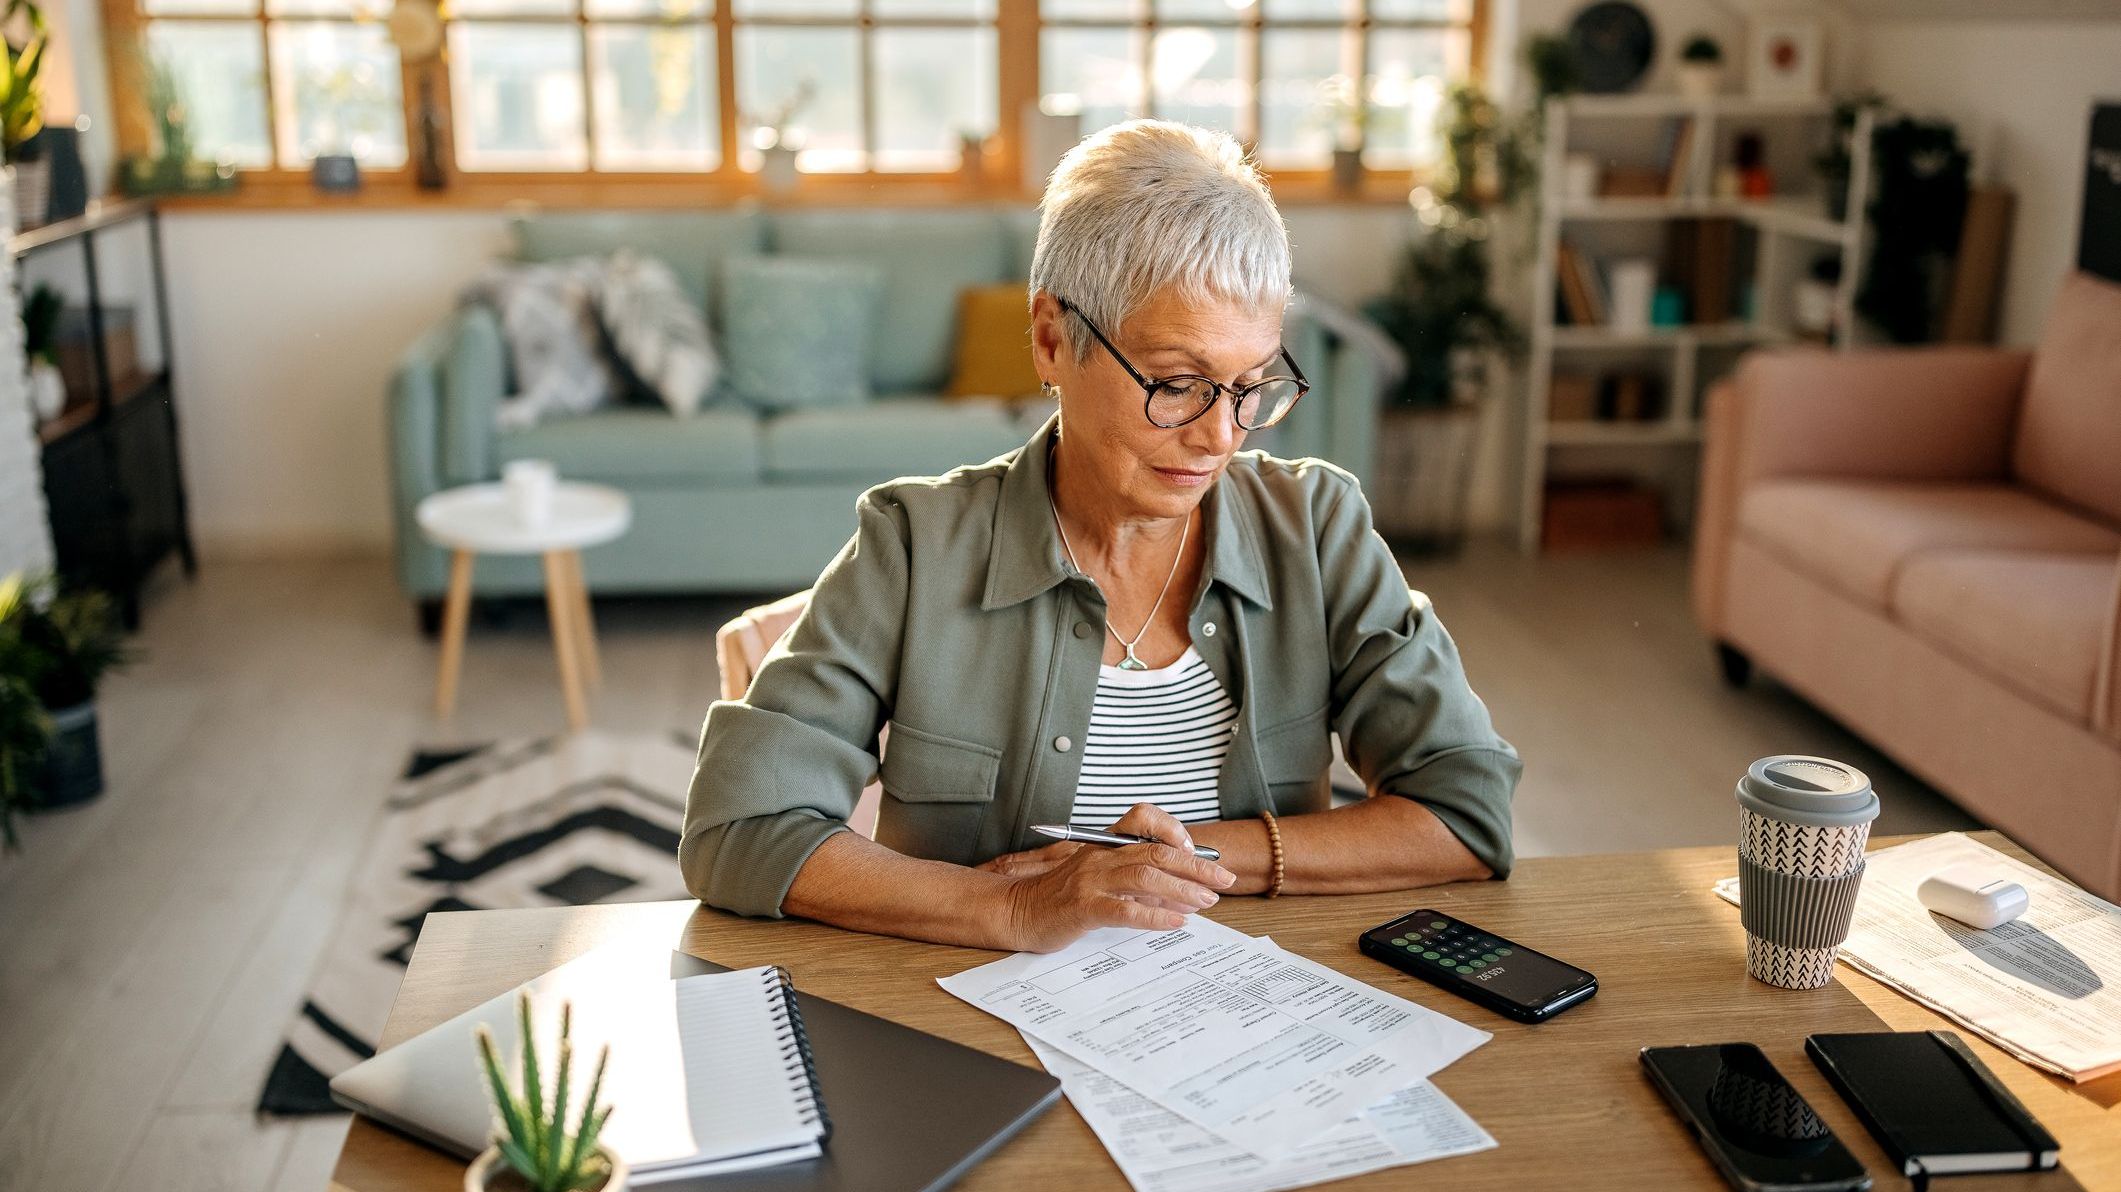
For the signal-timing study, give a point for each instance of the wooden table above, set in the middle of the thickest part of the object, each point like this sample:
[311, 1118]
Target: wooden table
[1566, 1100]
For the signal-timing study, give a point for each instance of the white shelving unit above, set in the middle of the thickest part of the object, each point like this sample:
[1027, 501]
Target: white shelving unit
[1783, 225]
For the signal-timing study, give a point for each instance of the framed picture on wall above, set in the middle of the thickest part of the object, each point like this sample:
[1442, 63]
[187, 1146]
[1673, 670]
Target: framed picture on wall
[1787, 59]
[2099, 244]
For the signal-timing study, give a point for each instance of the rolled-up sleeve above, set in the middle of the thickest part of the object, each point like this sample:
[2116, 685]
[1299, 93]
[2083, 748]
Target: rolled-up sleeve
[779, 771]
[1407, 718]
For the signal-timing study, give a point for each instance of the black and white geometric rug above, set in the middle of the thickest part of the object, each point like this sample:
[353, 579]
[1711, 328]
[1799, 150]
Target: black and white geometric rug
[564, 821]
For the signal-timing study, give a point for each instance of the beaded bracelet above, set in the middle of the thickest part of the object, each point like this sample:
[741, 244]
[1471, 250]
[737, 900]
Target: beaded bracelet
[1274, 847]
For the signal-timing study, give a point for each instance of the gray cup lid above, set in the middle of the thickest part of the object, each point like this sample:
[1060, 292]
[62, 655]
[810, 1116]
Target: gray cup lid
[1808, 790]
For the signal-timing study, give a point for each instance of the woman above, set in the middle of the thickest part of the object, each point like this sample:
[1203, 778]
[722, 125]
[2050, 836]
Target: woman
[1124, 623]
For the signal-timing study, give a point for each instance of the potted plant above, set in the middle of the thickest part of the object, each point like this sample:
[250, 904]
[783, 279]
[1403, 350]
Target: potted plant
[533, 1148]
[22, 109]
[778, 141]
[69, 641]
[25, 729]
[40, 326]
[1442, 312]
[1700, 67]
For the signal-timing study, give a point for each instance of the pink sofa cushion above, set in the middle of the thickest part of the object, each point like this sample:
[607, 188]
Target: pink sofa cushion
[2034, 621]
[1856, 535]
[2069, 436]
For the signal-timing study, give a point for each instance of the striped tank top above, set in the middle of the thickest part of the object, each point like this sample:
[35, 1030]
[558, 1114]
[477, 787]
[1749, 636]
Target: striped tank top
[1156, 736]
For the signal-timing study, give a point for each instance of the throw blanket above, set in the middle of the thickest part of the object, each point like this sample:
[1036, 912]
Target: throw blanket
[580, 332]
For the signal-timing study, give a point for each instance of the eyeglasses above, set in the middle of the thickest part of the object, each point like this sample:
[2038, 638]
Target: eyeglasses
[1174, 401]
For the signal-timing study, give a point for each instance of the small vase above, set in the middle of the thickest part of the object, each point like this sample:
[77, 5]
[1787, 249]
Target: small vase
[1700, 80]
[491, 1173]
[1347, 170]
[777, 172]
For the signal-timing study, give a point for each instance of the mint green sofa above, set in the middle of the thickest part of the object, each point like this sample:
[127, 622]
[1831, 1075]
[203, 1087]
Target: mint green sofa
[730, 500]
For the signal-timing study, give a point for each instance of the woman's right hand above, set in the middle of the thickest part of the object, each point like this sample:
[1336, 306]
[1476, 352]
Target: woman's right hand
[1148, 886]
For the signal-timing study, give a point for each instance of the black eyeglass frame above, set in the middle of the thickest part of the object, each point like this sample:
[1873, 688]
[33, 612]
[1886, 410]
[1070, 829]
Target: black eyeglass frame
[1237, 394]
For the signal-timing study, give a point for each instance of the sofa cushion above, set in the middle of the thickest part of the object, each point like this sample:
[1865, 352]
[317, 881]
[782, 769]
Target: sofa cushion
[993, 356]
[927, 257]
[904, 436]
[2070, 432]
[799, 332]
[641, 444]
[1856, 535]
[693, 243]
[2035, 621]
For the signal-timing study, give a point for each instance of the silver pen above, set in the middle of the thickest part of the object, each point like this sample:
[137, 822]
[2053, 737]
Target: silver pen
[1113, 839]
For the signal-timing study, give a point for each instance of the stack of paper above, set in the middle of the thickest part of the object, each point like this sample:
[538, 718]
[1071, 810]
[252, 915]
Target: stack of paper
[1209, 1061]
[2045, 987]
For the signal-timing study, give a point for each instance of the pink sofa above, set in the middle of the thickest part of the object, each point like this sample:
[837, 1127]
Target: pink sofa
[1927, 544]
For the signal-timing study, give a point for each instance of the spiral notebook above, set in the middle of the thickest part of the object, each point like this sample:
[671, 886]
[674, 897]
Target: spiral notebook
[708, 1074]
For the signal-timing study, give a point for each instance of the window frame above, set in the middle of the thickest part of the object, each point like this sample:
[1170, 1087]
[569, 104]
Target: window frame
[1018, 28]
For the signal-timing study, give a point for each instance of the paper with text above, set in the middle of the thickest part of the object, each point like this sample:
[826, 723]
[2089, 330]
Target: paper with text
[2045, 986]
[1231, 1033]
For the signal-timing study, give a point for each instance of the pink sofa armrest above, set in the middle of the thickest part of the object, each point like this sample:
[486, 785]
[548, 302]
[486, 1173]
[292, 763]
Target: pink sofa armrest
[1886, 414]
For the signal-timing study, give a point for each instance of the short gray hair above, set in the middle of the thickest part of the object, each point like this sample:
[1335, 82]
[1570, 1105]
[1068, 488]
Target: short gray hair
[1148, 205]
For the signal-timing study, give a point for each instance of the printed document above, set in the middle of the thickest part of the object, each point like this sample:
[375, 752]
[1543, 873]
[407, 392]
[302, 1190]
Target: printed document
[1159, 1151]
[1231, 1033]
[2045, 986]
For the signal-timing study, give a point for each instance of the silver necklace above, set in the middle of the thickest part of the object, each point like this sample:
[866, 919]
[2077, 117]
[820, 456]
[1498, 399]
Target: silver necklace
[1130, 662]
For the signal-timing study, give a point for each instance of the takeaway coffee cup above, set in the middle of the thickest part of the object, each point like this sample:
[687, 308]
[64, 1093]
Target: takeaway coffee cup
[530, 484]
[1802, 825]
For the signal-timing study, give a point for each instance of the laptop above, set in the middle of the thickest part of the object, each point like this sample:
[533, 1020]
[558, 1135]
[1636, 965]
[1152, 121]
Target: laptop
[910, 1112]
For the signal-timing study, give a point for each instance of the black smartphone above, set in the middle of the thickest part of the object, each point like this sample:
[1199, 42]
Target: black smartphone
[1480, 966]
[1760, 1132]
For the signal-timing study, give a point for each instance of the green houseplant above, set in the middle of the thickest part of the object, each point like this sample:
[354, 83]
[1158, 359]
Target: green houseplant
[22, 109]
[534, 1147]
[1442, 311]
[1700, 67]
[25, 729]
[66, 641]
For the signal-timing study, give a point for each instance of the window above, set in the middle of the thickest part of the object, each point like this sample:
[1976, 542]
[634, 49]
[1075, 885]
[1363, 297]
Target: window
[329, 70]
[710, 87]
[1296, 78]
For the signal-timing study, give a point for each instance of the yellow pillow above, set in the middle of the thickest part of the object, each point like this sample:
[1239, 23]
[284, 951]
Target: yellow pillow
[993, 344]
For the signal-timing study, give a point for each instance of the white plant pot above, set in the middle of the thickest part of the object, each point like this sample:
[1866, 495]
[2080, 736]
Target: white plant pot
[47, 390]
[33, 192]
[491, 1173]
[1700, 80]
[777, 172]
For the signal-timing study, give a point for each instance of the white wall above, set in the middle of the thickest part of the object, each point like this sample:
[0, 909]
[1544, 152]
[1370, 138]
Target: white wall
[2021, 93]
[286, 328]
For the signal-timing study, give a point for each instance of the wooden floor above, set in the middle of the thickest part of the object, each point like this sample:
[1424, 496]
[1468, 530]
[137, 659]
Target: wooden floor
[154, 944]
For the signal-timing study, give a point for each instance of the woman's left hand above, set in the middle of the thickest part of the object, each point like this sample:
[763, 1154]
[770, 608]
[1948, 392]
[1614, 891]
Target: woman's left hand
[1032, 862]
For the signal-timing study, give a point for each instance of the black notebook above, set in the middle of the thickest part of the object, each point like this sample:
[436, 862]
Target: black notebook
[1932, 1104]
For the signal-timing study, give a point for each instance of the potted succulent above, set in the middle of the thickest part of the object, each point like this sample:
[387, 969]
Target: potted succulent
[66, 642]
[22, 110]
[40, 327]
[25, 729]
[778, 141]
[1700, 67]
[534, 1150]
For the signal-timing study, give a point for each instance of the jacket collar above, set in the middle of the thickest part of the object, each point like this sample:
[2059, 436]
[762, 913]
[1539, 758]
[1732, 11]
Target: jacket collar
[1027, 558]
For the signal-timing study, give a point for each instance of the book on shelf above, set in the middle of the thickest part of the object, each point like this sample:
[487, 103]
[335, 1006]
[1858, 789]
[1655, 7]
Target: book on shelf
[1680, 160]
[1582, 296]
[1572, 397]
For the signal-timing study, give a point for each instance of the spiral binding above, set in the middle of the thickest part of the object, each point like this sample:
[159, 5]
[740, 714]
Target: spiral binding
[795, 1046]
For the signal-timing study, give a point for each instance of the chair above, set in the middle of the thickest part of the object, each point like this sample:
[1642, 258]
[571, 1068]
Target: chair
[740, 648]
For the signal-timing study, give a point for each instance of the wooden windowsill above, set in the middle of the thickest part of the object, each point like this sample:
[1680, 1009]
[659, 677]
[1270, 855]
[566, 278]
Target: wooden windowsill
[389, 192]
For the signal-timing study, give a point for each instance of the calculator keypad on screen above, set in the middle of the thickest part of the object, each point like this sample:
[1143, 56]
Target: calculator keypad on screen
[1451, 947]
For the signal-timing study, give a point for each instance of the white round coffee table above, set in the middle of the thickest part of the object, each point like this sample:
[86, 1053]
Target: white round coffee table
[480, 519]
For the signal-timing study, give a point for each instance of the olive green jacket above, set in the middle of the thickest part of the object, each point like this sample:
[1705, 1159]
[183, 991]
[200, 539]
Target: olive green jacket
[953, 615]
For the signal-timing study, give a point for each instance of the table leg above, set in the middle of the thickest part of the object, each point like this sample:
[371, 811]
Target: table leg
[585, 621]
[456, 612]
[558, 609]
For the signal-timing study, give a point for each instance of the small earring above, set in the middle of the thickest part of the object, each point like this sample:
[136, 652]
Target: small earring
[1049, 390]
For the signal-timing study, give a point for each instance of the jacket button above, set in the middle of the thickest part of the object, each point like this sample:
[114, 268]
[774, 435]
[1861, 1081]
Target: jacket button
[1063, 744]
[1208, 630]
[1082, 629]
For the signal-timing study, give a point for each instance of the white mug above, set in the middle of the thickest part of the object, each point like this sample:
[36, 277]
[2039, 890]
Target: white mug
[530, 483]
